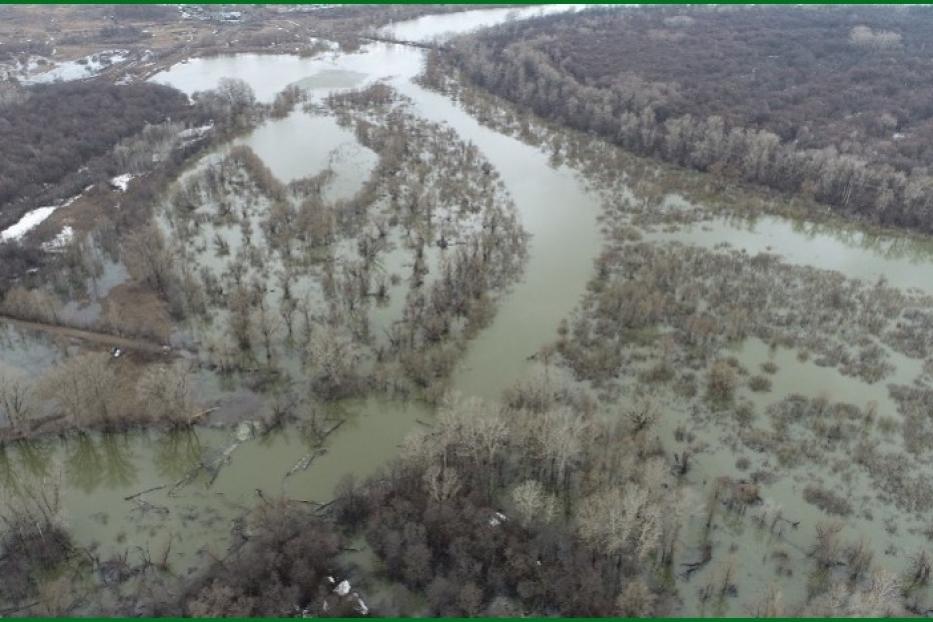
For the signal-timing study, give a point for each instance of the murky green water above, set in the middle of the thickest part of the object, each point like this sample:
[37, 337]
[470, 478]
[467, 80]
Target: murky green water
[903, 261]
[303, 144]
[98, 472]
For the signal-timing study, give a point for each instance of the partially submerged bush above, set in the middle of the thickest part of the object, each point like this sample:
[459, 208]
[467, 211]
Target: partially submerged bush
[827, 500]
[721, 381]
[32, 539]
[759, 384]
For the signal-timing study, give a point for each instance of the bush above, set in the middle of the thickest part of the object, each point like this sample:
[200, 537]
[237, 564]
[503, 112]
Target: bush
[284, 568]
[827, 500]
[759, 384]
[721, 381]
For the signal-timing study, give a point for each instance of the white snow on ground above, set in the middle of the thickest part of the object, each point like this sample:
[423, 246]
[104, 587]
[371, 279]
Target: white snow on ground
[195, 132]
[21, 69]
[59, 241]
[122, 182]
[26, 223]
[77, 69]
[30, 220]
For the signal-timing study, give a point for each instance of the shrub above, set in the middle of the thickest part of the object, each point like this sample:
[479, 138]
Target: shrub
[721, 381]
[759, 384]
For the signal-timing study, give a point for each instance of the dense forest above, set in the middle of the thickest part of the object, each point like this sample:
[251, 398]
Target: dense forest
[57, 129]
[827, 102]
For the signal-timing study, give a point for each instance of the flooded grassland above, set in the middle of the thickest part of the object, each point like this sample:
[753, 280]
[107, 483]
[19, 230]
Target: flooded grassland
[782, 358]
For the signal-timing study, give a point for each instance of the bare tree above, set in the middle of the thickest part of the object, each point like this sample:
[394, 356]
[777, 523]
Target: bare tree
[88, 390]
[31, 304]
[532, 503]
[149, 259]
[334, 360]
[616, 522]
[17, 402]
[166, 394]
[721, 381]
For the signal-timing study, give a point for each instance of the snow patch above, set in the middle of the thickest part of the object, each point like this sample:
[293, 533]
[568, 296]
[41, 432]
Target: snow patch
[86, 67]
[59, 241]
[29, 221]
[195, 132]
[121, 182]
[343, 588]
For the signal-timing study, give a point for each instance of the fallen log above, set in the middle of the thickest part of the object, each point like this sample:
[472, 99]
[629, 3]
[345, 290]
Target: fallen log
[143, 492]
[305, 463]
[194, 418]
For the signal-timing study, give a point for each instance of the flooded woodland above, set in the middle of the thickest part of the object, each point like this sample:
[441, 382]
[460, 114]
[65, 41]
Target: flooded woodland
[383, 343]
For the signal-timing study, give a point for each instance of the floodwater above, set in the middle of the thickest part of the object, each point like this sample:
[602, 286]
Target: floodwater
[267, 75]
[100, 472]
[901, 260]
[304, 144]
[441, 27]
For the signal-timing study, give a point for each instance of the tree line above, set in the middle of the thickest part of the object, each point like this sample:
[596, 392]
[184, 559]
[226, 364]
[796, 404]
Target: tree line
[824, 103]
[61, 134]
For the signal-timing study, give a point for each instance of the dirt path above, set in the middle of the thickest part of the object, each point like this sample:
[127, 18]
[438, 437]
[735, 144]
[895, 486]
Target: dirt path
[103, 339]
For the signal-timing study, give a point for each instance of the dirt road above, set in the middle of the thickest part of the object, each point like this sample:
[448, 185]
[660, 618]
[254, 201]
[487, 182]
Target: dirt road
[102, 339]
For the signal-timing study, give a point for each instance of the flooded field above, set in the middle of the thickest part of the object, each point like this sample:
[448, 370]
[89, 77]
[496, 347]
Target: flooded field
[184, 492]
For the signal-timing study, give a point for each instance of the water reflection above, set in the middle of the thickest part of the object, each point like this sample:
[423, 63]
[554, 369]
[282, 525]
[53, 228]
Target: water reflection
[83, 463]
[903, 261]
[176, 453]
[36, 457]
[105, 460]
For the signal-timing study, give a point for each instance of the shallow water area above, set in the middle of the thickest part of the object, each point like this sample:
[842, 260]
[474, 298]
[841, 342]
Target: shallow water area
[104, 470]
[267, 74]
[304, 144]
[123, 491]
[441, 27]
[902, 261]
